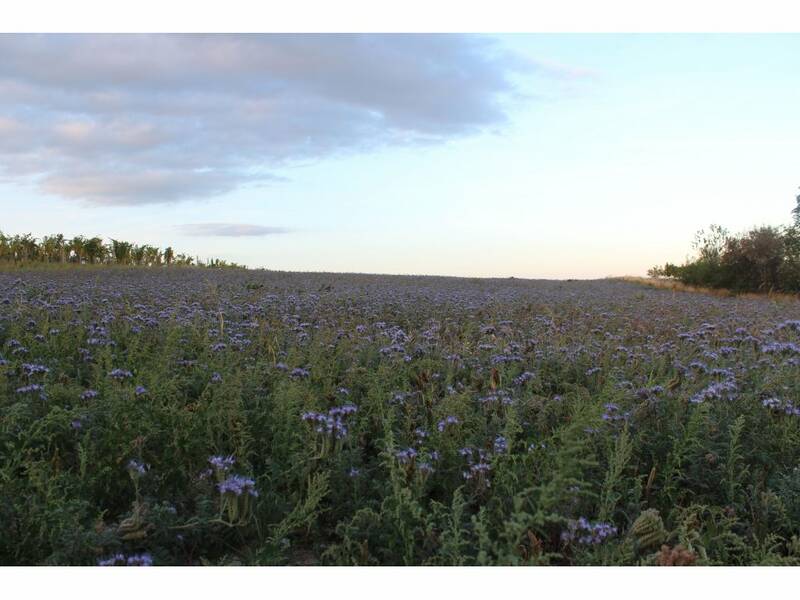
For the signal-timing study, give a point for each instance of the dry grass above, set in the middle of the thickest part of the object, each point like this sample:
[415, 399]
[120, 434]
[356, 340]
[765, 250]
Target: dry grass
[677, 286]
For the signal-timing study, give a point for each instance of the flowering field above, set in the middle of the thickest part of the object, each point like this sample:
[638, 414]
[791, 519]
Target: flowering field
[204, 417]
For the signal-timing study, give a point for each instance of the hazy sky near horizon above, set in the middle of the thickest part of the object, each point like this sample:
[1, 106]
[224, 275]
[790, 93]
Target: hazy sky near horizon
[547, 155]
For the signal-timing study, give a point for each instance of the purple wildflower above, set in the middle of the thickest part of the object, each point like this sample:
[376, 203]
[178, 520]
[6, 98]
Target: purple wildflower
[120, 374]
[585, 532]
[447, 422]
[237, 485]
[406, 456]
[136, 467]
[222, 463]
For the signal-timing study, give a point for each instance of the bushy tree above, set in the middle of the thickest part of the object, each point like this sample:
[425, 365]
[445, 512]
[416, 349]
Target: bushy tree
[763, 259]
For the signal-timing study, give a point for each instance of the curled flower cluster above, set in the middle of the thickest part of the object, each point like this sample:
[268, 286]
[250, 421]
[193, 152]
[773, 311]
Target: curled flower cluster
[120, 374]
[34, 369]
[647, 393]
[136, 467]
[584, 532]
[780, 348]
[29, 389]
[523, 378]
[715, 391]
[447, 422]
[612, 413]
[237, 485]
[498, 397]
[134, 560]
[406, 456]
[299, 373]
[401, 397]
[333, 422]
[222, 463]
[779, 405]
[478, 466]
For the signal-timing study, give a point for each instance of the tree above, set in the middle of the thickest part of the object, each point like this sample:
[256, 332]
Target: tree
[152, 256]
[711, 244]
[5, 247]
[121, 251]
[76, 249]
[137, 254]
[754, 260]
[53, 248]
[94, 250]
[22, 249]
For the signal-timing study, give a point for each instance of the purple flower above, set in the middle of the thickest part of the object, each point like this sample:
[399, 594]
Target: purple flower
[112, 560]
[585, 532]
[523, 378]
[140, 560]
[222, 463]
[425, 468]
[715, 391]
[140, 390]
[299, 373]
[136, 467]
[34, 369]
[446, 422]
[134, 560]
[89, 394]
[237, 485]
[498, 397]
[333, 422]
[406, 456]
[120, 374]
[216, 378]
[28, 389]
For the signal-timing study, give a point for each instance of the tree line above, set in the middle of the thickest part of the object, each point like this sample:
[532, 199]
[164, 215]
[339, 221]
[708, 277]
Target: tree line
[763, 259]
[56, 248]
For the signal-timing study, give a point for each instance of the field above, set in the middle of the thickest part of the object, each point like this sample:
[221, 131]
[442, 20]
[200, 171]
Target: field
[213, 417]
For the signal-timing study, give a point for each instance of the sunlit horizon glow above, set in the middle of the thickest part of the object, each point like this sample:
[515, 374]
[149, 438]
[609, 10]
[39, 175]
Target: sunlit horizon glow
[533, 156]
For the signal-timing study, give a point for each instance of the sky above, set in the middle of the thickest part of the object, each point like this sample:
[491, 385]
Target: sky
[541, 156]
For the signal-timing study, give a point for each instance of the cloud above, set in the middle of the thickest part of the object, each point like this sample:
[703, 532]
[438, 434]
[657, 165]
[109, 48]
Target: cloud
[138, 119]
[229, 230]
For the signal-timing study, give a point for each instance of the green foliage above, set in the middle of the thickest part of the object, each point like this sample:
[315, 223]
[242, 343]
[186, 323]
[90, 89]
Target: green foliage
[763, 259]
[573, 437]
[27, 251]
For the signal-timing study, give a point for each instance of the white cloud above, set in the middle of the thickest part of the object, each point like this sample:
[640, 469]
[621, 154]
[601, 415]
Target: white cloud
[137, 119]
[229, 230]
